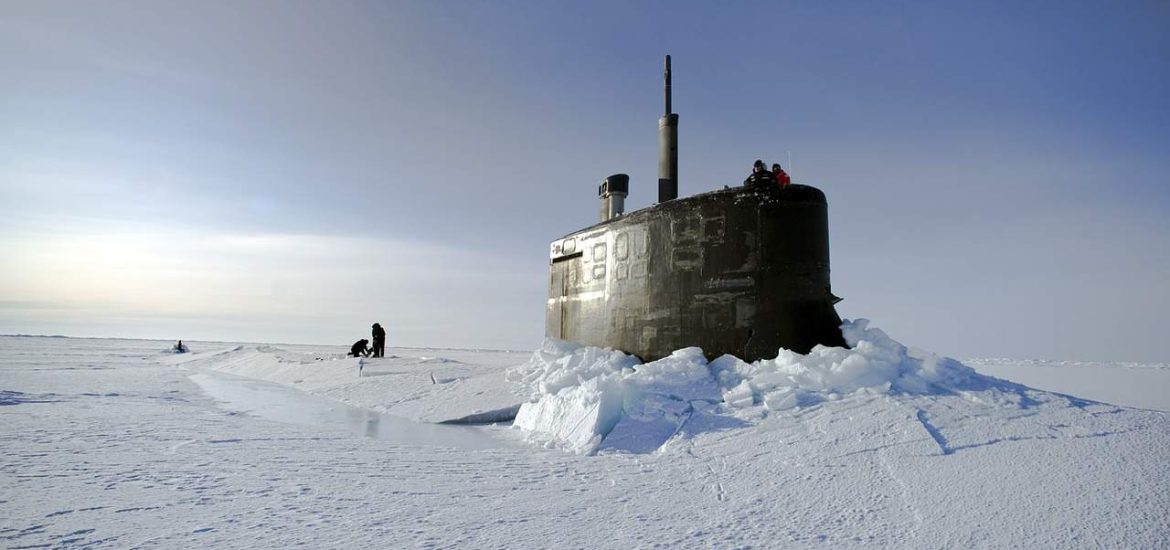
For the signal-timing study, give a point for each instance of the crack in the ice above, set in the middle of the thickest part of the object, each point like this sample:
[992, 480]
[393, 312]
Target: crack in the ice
[935, 434]
[8, 397]
[875, 449]
[1039, 438]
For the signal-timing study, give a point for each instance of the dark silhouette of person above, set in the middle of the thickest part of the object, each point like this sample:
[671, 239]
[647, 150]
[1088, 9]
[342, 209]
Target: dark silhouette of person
[379, 341]
[781, 176]
[760, 178]
[359, 348]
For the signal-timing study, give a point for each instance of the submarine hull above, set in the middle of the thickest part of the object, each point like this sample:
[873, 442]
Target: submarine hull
[739, 271]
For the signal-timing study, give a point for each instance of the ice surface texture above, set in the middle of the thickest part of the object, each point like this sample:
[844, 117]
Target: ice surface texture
[107, 443]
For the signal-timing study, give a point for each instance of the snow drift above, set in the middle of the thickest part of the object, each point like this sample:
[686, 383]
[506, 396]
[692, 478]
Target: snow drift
[586, 399]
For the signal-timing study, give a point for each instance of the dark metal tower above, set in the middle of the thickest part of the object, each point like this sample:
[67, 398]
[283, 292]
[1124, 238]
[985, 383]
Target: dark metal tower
[741, 270]
[667, 147]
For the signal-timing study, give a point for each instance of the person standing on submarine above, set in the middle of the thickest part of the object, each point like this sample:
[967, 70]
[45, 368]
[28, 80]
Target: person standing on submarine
[760, 177]
[781, 176]
[379, 335]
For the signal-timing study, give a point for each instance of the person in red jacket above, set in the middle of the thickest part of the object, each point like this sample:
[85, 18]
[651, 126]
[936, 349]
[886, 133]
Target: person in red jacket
[781, 176]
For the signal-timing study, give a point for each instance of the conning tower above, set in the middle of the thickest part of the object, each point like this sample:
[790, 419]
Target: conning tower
[740, 271]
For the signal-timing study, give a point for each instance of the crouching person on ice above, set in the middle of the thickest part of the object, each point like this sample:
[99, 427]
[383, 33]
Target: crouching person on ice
[359, 349]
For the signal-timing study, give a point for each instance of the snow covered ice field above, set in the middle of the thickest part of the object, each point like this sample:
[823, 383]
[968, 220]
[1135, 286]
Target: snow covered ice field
[116, 443]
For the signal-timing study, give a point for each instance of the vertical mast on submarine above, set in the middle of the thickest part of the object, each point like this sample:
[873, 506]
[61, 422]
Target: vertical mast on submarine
[667, 147]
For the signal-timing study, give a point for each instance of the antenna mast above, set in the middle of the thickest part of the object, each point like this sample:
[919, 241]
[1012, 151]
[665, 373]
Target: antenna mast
[667, 146]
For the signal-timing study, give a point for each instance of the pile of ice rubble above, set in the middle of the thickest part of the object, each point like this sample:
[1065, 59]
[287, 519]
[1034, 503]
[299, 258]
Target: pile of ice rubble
[586, 399]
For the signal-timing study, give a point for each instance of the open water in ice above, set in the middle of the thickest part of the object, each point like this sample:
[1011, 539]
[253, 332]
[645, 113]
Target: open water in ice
[292, 406]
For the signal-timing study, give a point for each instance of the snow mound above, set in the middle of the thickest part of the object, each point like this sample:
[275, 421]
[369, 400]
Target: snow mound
[875, 364]
[557, 365]
[587, 399]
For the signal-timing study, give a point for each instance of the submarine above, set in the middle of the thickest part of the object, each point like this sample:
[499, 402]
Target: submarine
[741, 271]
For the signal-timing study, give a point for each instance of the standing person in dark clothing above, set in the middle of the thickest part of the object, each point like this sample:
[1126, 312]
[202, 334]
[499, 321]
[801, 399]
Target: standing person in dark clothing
[781, 176]
[379, 341]
[760, 178]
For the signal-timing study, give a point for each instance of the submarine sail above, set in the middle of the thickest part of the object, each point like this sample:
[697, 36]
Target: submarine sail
[741, 271]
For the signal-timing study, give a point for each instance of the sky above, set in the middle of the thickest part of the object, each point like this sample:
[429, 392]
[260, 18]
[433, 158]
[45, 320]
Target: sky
[295, 171]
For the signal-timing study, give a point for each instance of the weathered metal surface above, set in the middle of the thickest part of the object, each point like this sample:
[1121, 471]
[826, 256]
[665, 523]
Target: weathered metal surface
[667, 146]
[668, 158]
[613, 192]
[739, 271]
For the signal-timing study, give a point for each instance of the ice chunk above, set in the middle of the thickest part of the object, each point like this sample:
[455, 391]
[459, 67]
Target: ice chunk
[581, 395]
[740, 396]
[781, 400]
[559, 364]
[576, 418]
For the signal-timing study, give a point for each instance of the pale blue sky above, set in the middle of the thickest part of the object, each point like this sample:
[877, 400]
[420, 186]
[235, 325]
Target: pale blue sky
[292, 172]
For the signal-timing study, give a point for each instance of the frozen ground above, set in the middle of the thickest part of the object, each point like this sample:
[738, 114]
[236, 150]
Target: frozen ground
[1142, 385]
[113, 443]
